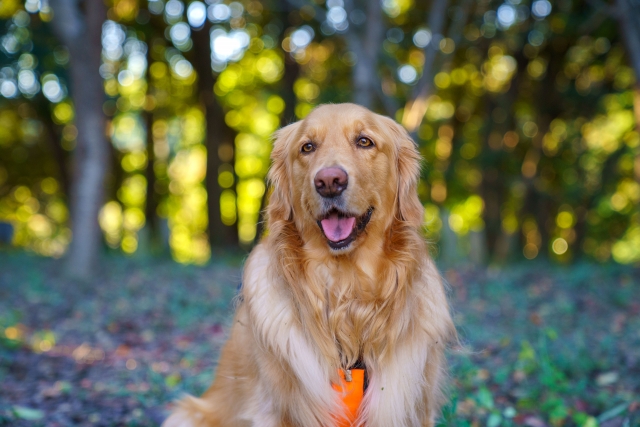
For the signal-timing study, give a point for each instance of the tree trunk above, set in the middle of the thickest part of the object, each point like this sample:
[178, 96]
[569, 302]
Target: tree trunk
[366, 46]
[218, 133]
[628, 17]
[53, 138]
[80, 28]
[291, 74]
[151, 205]
[416, 106]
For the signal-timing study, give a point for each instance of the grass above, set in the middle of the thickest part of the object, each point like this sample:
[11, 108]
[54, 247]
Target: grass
[545, 345]
[549, 346]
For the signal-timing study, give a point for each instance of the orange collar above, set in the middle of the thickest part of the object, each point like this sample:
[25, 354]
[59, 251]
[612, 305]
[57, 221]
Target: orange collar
[352, 391]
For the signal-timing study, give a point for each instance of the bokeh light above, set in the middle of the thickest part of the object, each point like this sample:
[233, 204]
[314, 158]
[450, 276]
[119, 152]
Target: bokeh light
[196, 14]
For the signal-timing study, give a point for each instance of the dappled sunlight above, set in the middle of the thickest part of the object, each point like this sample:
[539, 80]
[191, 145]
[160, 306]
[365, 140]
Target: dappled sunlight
[40, 218]
[605, 132]
[255, 120]
[186, 204]
[127, 132]
[521, 111]
[627, 249]
[498, 70]
[467, 216]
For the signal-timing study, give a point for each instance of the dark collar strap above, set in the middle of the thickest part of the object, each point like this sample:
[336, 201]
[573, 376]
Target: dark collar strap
[361, 365]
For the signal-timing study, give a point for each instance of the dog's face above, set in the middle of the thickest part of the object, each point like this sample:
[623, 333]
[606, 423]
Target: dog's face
[344, 174]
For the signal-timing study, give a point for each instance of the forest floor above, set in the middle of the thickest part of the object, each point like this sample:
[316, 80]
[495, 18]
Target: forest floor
[547, 345]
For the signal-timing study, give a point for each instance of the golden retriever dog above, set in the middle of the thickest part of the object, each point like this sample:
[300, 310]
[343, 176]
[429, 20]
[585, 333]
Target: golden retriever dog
[343, 279]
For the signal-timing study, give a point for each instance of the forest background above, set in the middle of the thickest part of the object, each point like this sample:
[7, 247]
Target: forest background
[145, 126]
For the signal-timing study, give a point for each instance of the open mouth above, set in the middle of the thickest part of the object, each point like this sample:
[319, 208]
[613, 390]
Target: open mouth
[340, 228]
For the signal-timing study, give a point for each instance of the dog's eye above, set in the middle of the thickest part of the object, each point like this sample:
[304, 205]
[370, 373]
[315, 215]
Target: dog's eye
[308, 147]
[365, 142]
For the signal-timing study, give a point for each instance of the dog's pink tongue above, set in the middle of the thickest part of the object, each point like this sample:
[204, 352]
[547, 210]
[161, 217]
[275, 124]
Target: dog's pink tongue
[336, 228]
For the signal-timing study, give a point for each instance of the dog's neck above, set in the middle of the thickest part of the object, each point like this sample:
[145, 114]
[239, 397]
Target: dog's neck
[352, 307]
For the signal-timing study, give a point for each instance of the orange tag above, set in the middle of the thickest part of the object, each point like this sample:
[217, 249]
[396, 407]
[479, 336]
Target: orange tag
[352, 393]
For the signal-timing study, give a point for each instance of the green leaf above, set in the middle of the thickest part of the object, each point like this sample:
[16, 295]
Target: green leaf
[590, 422]
[509, 412]
[552, 334]
[494, 420]
[613, 412]
[484, 398]
[172, 380]
[27, 413]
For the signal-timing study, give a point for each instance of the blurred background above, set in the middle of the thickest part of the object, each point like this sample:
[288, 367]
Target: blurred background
[132, 131]
[144, 126]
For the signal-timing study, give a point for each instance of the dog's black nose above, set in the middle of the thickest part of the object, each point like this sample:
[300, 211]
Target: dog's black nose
[331, 182]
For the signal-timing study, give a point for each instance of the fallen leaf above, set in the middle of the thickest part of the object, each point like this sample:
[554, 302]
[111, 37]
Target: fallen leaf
[25, 413]
[613, 412]
[534, 422]
[613, 422]
[607, 378]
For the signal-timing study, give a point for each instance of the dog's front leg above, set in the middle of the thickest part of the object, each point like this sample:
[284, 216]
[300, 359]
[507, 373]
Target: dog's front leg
[406, 389]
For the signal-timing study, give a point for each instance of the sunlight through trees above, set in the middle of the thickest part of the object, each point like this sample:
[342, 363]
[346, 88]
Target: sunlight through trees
[157, 136]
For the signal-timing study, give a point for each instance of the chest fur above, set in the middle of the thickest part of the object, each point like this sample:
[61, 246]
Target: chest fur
[361, 314]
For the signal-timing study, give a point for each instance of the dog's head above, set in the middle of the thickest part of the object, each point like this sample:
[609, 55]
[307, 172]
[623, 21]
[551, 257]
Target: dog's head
[344, 174]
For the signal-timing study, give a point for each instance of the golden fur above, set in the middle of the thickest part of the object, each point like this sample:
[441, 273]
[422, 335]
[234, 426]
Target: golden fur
[308, 310]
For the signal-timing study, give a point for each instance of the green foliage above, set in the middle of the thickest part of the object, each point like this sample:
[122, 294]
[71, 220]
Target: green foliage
[529, 132]
[558, 362]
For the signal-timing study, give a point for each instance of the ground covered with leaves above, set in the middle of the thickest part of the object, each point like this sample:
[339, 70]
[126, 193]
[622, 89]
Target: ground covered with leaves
[545, 345]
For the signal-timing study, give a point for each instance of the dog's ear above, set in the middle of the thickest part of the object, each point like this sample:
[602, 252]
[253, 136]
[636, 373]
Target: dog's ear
[280, 198]
[408, 170]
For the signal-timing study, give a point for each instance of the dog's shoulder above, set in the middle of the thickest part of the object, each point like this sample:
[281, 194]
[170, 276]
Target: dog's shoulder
[267, 299]
[256, 265]
[260, 278]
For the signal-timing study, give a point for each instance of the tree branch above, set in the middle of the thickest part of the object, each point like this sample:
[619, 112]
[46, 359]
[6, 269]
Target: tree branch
[631, 40]
[457, 29]
[389, 104]
[603, 7]
[416, 106]
[630, 35]
[366, 46]
[320, 15]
